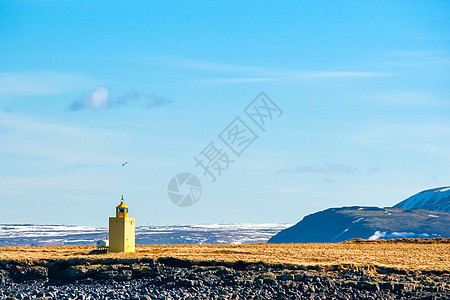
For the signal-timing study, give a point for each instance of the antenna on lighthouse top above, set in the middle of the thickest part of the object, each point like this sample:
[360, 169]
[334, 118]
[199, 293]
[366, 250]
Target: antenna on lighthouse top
[121, 177]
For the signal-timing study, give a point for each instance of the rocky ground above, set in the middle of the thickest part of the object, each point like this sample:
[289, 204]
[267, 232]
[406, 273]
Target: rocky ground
[170, 278]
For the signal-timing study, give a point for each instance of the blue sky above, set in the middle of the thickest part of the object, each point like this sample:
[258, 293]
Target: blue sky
[85, 86]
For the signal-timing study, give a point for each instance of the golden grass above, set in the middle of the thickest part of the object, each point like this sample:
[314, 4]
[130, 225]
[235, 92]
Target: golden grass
[400, 255]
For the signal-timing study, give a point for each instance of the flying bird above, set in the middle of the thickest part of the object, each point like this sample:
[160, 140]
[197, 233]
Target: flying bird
[124, 163]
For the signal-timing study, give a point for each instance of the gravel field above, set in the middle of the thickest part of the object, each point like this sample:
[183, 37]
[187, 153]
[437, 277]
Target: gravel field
[409, 269]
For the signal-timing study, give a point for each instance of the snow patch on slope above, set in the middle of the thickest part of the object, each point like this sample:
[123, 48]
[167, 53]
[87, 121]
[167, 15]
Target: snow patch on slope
[356, 221]
[397, 235]
[344, 231]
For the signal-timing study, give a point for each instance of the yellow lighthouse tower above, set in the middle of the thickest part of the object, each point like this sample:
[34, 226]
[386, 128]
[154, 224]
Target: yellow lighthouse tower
[121, 230]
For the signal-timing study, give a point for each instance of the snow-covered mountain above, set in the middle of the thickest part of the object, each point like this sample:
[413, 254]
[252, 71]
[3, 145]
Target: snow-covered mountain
[434, 199]
[345, 223]
[41, 235]
[423, 215]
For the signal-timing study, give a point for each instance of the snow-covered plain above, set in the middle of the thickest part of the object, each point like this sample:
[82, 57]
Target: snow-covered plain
[40, 235]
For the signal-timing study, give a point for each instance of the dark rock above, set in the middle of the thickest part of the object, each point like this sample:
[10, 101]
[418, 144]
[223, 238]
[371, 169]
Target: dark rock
[162, 281]
[140, 271]
[3, 277]
[369, 286]
[386, 286]
[76, 272]
[106, 274]
[398, 287]
[174, 262]
[185, 283]
[285, 277]
[26, 273]
[124, 275]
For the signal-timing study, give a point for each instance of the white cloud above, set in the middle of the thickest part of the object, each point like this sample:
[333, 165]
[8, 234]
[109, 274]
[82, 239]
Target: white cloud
[95, 99]
[101, 98]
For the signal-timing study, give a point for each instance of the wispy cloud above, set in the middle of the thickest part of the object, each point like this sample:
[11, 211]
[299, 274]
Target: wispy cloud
[373, 170]
[39, 83]
[430, 138]
[177, 62]
[420, 58]
[213, 72]
[237, 80]
[150, 101]
[337, 74]
[310, 193]
[101, 97]
[5, 109]
[408, 98]
[154, 101]
[438, 131]
[59, 143]
[326, 169]
[430, 36]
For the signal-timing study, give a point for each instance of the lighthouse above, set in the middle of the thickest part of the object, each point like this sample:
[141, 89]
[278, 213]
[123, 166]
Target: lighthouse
[121, 230]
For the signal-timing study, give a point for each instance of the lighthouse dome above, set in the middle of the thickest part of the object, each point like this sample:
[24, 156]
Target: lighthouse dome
[121, 210]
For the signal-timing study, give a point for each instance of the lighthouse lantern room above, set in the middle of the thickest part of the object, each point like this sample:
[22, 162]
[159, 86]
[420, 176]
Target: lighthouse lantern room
[121, 230]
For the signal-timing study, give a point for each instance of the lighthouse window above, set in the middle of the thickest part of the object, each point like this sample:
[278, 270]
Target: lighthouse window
[121, 210]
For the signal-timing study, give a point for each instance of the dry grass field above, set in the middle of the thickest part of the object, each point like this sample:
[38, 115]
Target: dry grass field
[431, 255]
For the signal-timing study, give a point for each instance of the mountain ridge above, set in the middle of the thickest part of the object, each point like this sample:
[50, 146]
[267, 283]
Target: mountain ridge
[345, 223]
[432, 199]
